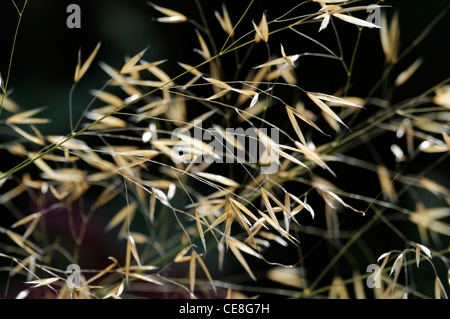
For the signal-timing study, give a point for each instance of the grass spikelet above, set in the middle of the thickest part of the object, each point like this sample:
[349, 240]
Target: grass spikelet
[172, 16]
[200, 229]
[287, 276]
[35, 139]
[80, 70]
[225, 21]
[239, 257]
[396, 268]
[390, 36]
[108, 98]
[192, 269]
[316, 98]
[338, 289]
[130, 65]
[439, 290]
[42, 282]
[262, 30]
[21, 242]
[27, 219]
[204, 51]
[387, 187]
[405, 75]
[124, 215]
[26, 117]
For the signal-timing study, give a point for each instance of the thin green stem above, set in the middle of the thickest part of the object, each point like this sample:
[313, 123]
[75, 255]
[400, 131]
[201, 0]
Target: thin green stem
[5, 87]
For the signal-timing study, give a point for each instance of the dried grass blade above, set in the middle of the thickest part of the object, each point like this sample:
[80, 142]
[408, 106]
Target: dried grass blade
[130, 64]
[23, 264]
[274, 225]
[192, 81]
[172, 16]
[192, 266]
[147, 278]
[102, 273]
[396, 269]
[295, 125]
[133, 249]
[240, 258]
[217, 95]
[219, 220]
[336, 100]
[425, 250]
[242, 219]
[152, 206]
[73, 143]
[9, 104]
[218, 83]
[43, 282]
[205, 269]
[27, 219]
[384, 36]
[358, 286]
[338, 289]
[313, 156]
[26, 117]
[387, 187]
[190, 69]
[114, 74]
[336, 197]
[322, 2]
[197, 145]
[34, 139]
[123, 214]
[303, 117]
[225, 21]
[218, 178]
[143, 66]
[243, 247]
[115, 292]
[181, 256]
[81, 70]
[229, 138]
[356, 21]
[200, 229]
[141, 153]
[106, 122]
[243, 208]
[324, 107]
[108, 98]
[434, 187]
[264, 29]
[160, 74]
[204, 52]
[273, 237]
[20, 241]
[271, 63]
[439, 290]
[288, 59]
[287, 276]
[446, 139]
[30, 228]
[405, 75]
[289, 157]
